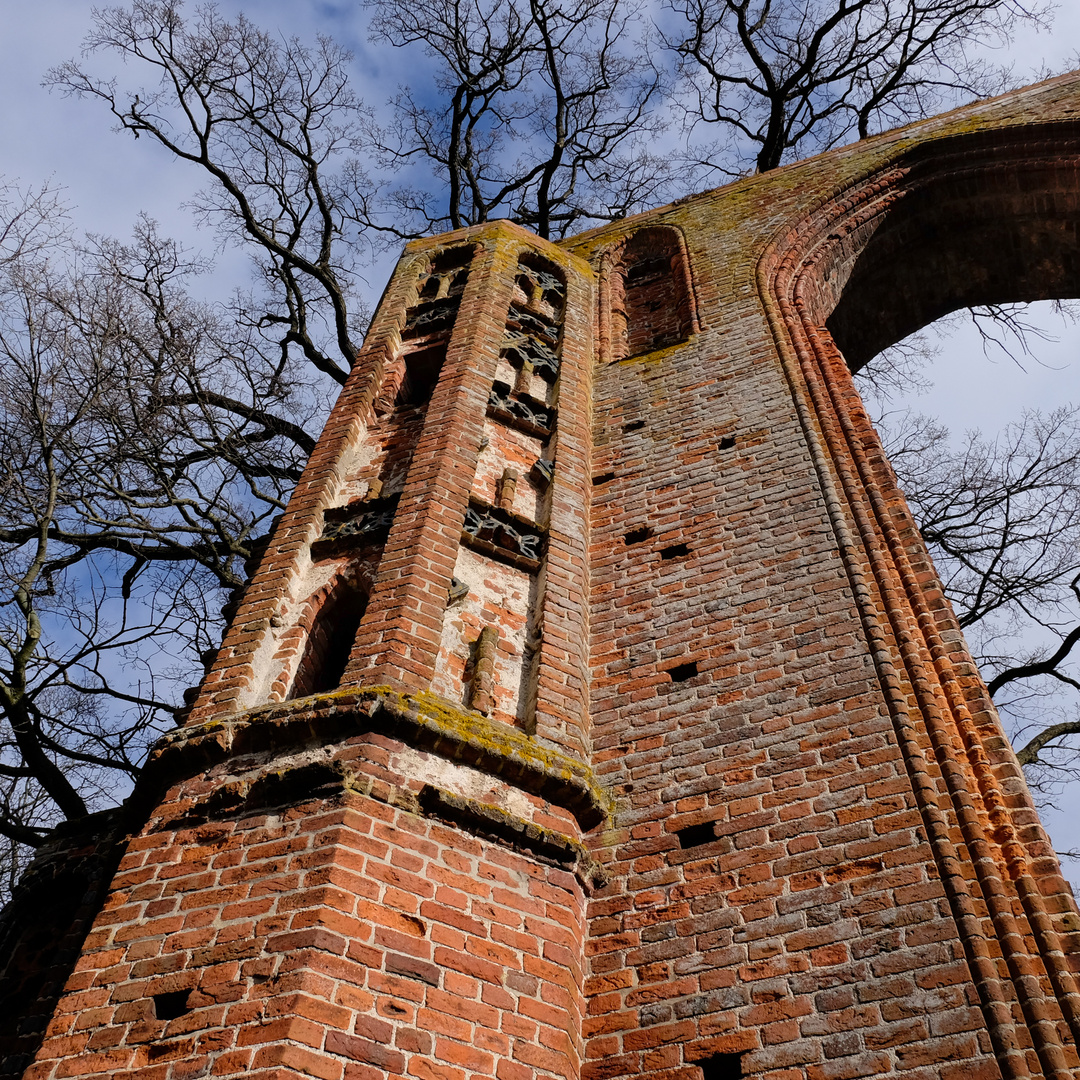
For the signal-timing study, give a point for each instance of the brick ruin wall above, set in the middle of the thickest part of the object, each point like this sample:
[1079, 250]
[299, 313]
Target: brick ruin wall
[595, 711]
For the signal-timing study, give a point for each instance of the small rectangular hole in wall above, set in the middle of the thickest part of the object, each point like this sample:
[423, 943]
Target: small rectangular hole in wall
[674, 552]
[637, 536]
[721, 1067]
[171, 1005]
[696, 835]
[634, 425]
[727, 442]
[603, 478]
[683, 671]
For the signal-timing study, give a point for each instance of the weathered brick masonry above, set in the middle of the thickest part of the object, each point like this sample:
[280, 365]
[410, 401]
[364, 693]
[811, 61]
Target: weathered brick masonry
[595, 710]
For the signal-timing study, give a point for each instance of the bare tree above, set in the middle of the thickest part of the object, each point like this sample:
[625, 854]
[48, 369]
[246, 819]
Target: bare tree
[146, 439]
[541, 113]
[784, 78]
[1001, 516]
[278, 132]
[145, 442]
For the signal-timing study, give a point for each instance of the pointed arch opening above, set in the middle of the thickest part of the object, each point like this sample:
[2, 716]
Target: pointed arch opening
[330, 639]
[650, 296]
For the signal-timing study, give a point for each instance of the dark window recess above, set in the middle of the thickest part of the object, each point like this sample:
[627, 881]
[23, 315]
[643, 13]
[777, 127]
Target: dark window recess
[721, 1067]
[171, 1005]
[727, 442]
[447, 275]
[421, 374]
[674, 552]
[656, 291]
[634, 425]
[696, 835]
[637, 536]
[603, 478]
[683, 671]
[330, 641]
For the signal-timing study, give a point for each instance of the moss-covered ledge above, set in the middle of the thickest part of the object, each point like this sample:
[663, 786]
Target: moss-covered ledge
[424, 721]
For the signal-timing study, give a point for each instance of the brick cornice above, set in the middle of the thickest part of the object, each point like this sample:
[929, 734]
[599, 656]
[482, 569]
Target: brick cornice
[423, 721]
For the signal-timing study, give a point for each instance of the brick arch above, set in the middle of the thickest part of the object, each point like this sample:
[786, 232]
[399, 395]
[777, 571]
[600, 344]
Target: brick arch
[985, 217]
[647, 294]
[973, 219]
[324, 635]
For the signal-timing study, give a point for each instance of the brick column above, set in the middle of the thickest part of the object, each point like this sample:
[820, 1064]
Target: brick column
[233, 681]
[399, 636]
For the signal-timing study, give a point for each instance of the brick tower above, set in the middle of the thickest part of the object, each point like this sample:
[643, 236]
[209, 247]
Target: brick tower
[595, 711]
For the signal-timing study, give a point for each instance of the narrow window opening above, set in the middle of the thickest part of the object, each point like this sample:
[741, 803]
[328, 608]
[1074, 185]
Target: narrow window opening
[603, 478]
[438, 295]
[696, 835]
[683, 671]
[421, 374]
[330, 642]
[721, 1067]
[171, 1005]
[637, 536]
[675, 551]
[455, 259]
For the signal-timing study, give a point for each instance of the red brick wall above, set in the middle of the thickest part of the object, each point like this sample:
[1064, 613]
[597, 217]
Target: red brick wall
[327, 940]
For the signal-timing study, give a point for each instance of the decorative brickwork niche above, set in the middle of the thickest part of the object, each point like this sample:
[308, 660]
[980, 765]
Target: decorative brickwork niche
[330, 640]
[492, 628]
[650, 294]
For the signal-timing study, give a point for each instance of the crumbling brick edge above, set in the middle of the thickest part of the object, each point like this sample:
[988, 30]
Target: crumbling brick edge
[422, 720]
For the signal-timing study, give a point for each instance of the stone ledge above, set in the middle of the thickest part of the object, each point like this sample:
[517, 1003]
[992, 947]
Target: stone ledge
[423, 721]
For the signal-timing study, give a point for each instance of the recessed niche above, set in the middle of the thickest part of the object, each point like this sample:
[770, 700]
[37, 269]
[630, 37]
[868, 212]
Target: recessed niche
[683, 671]
[422, 370]
[676, 551]
[721, 1067]
[171, 1005]
[330, 641]
[696, 835]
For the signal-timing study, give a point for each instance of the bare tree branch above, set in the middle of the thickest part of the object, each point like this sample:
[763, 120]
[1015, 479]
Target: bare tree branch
[781, 78]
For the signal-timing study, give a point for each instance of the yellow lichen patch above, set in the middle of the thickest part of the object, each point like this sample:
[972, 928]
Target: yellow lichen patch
[657, 356]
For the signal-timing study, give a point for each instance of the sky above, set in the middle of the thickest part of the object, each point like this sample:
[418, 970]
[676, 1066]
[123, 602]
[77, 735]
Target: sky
[108, 177]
